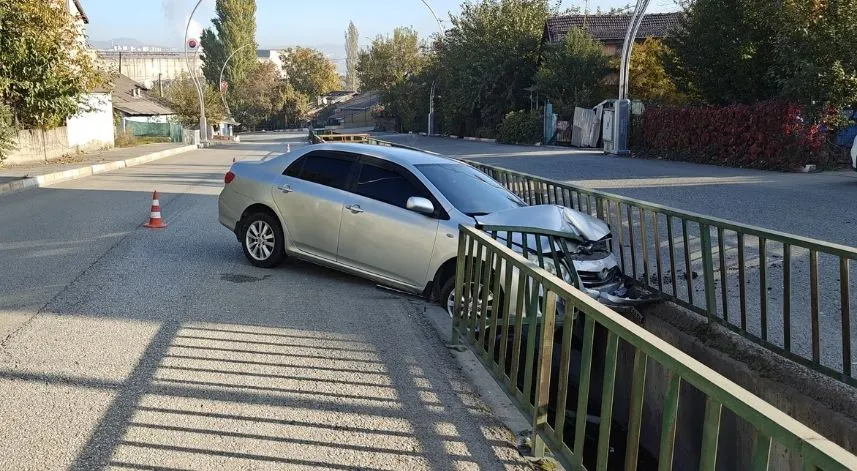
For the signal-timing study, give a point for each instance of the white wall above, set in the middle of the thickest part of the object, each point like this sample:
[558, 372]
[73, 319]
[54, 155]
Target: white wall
[142, 66]
[149, 119]
[93, 129]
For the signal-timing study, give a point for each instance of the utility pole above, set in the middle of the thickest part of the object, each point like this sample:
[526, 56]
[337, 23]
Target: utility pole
[430, 128]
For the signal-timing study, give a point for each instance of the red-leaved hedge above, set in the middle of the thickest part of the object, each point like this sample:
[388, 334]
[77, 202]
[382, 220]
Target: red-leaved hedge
[766, 135]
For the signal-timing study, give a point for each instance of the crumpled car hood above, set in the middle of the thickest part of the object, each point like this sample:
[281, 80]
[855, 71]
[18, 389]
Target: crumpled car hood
[573, 224]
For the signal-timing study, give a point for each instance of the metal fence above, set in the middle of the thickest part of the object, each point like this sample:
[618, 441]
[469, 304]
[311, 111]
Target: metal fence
[788, 293]
[519, 351]
[323, 135]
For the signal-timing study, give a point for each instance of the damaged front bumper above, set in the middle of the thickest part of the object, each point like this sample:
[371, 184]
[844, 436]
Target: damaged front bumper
[623, 296]
[603, 280]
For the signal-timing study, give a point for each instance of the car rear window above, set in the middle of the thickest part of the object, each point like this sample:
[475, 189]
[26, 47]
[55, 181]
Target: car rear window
[321, 169]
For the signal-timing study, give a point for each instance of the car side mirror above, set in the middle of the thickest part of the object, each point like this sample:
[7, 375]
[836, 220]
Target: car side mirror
[420, 205]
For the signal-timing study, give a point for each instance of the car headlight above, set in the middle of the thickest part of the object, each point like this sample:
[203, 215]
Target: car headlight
[550, 266]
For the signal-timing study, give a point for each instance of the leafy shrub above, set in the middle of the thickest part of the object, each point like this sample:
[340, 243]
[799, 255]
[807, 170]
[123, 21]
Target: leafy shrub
[767, 135]
[521, 127]
[486, 132]
[130, 140]
[7, 131]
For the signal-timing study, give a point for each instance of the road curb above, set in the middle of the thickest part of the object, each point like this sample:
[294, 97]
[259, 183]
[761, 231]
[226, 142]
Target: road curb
[31, 183]
[494, 141]
[480, 139]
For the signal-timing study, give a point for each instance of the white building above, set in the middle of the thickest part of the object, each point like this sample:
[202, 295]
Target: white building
[272, 56]
[76, 10]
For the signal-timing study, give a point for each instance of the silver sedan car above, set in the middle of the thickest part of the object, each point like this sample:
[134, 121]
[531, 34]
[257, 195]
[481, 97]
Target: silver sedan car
[390, 215]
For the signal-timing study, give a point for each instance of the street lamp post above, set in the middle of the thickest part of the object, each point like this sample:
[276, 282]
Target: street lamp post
[203, 126]
[431, 111]
[220, 81]
[622, 109]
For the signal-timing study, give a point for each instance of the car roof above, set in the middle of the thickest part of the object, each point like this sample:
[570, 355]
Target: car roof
[397, 155]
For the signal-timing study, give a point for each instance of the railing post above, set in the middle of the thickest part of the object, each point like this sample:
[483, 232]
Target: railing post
[459, 283]
[708, 271]
[540, 418]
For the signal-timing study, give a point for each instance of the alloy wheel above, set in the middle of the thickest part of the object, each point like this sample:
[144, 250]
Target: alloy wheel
[475, 297]
[260, 240]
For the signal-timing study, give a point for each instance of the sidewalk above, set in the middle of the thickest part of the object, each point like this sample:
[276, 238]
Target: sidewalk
[14, 178]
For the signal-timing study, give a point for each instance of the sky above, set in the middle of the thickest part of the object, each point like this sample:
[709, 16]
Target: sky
[285, 22]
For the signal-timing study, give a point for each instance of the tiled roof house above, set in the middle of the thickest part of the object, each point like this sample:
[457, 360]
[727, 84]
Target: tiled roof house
[611, 29]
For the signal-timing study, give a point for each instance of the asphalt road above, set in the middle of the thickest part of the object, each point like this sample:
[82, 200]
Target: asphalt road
[819, 205]
[822, 206]
[127, 348]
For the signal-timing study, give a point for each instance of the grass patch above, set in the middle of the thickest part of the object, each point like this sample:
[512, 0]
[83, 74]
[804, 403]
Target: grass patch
[129, 140]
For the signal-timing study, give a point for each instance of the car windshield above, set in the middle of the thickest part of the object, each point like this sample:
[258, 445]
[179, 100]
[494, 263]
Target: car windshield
[469, 190]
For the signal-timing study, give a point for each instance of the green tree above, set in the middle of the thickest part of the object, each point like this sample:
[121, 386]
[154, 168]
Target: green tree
[352, 51]
[309, 72]
[572, 73]
[45, 70]
[184, 100]
[296, 106]
[7, 131]
[815, 58]
[749, 50]
[488, 58]
[259, 95]
[390, 60]
[722, 52]
[234, 28]
[395, 66]
[649, 80]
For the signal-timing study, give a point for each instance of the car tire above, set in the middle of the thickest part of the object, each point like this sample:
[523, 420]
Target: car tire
[262, 240]
[446, 291]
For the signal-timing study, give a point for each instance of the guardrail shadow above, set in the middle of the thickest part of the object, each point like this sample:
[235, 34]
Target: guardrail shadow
[206, 396]
[217, 365]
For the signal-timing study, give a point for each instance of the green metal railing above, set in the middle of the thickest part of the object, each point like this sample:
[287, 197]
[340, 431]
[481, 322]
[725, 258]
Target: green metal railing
[788, 293]
[518, 351]
[318, 137]
[750, 277]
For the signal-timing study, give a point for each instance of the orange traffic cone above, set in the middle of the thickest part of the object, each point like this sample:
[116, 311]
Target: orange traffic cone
[155, 221]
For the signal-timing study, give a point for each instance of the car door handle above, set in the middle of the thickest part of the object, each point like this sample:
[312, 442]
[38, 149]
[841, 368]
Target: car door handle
[354, 208]
[285, 188]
